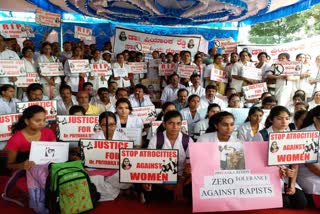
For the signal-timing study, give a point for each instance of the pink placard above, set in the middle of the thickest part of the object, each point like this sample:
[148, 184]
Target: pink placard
[205, 161]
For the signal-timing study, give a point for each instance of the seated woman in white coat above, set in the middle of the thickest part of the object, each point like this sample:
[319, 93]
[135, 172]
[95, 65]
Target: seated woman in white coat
[124, 117]
[309, 174]
[190, 114]
[221, 127]
[107, 181]
[278, 121]
[252, 125]
[121, 72]
[201, 126]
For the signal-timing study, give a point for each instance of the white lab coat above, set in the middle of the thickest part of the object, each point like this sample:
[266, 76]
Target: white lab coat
[186, 115]
[62, 108]
[132, 122]
[72, 79]
[245, 133]
[309, 181]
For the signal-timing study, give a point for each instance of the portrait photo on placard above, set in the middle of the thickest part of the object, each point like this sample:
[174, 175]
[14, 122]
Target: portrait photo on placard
[231, 156]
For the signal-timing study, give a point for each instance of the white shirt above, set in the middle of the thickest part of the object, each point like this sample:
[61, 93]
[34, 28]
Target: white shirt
[237, 70]
[97, 82]
[122, 82]
[116, 135]
[169, 93]
[245, 132]
[26, 99]
[177, 145]
[200, 127]
[312, 104]
[62, 110]
[204, 103]
[8, 107]
[7, 54]
[186, 115]
[72, 79]
[309, 181]
[136, 103]
[132, 122]
[43, 59]
[200, 91]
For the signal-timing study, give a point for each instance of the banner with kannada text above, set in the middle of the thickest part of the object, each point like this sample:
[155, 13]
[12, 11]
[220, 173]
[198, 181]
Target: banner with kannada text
[126, 39]
[47, 18]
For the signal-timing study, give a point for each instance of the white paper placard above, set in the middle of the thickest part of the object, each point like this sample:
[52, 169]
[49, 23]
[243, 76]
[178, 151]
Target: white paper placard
[50, 106]
[82, 33]
[185, 71]
[147, 113]
[102, 69]
[78, 66]
[254, 91]
[103, 153]
[138, 67]
[51, 69]
[6, 122]
[25, 81]
[148, 166]
[48, 18]
[251, 73]
[74, 128]
[42, 152]
[219, 75]
[134, 134]
[12, 68]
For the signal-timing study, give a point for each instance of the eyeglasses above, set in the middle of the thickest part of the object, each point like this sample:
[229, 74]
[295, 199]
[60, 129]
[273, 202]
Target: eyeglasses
[109, 125]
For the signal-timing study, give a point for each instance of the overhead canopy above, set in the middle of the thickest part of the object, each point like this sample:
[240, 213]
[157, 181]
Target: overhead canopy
[169, 12]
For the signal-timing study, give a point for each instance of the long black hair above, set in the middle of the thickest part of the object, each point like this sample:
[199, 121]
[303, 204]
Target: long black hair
[252, 111]
[216, 119]
[315, 112]
[28, 113]
[163, 108]
[274, 112]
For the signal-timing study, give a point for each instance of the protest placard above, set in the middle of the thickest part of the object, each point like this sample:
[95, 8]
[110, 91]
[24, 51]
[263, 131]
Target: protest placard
[12, 68]
[254, 91]
[213, 189]
[148, 166]
[13, 30]
[102, 69]
[138, 67]
[291, 68]
[240, 115]
[143, 47]
[227, 45]
[51, 69]
[25, 81]
[134, 134]
[166, 69]
[102, 153]
[185, 71]
[293, 148]
[50, 106]
[6, 122]
[43, 152]
[219, 75]
[82, 33]
[147, 113]
[120, 72]
[78, 66]
[48, 18]
[252, 73]
[72, 128]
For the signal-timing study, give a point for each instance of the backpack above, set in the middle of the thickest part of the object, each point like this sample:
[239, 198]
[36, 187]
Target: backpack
[160, 141]
[265, 135]
[69, 189]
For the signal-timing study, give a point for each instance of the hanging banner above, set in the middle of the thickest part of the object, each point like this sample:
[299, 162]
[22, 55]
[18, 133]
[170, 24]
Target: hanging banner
[25, 81]
[153, 86]
[166, 69]
[12, 68]
[126, 39]
[148, 166]
[50, 106]
[143, 47]
[219, 75]
[138, 67]
[51, 69]
[291, 68]
[133, 134]
[101, 69]
[293, 148]
[82, 33]
[78, 66]
[16, 30]
[254, 91]
[48, 18]
[185, 71]
[72, 128]
[224, 177]
[102, 153]
[43, 152]
[155, 124]
[147, 113]
[251, 73]
[6, 122]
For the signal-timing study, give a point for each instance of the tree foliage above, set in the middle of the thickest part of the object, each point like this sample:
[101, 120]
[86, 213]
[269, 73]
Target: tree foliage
[285, 29]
